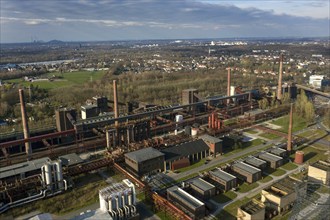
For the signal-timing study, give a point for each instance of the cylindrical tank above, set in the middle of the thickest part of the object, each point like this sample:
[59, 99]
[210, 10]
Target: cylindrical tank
[48, 174]
[59, 174]
[179, 118]
[187, 130]
[194, 131]
[299, 157]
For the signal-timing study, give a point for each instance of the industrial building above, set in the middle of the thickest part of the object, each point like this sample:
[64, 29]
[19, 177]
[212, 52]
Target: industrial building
[273, 160]
[252, 210]
[65, 118]
[183, 155]
[119, 200]
[256, 162]
[215, 144]
[226, 180]
[282, 194]
[22, 170]
[145, 161]
[189, 96]
[247, 172]
[202, 188]
[320, 172]
[187, 202]
[278, 152]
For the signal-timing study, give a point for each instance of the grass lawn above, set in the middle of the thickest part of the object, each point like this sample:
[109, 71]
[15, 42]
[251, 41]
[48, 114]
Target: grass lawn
[85, 192]
[245, 145]
[225, 197]
[323, 189]
[266, 179]
[164, 216]
[289, 166]
[298, 123]
[269, 136]
[299, 175]
[245, 187]
[278, 172]
[69, 79]
[313, 154]
[199, 163]
[251, 131]
[230, 211]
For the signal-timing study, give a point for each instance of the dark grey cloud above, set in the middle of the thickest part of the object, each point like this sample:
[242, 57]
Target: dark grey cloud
[145, 19]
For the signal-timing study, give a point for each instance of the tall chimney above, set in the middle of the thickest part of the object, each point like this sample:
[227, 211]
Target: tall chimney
[289, 146]
[279, 86]
[26, 133]
[228, 84]
[115, 101]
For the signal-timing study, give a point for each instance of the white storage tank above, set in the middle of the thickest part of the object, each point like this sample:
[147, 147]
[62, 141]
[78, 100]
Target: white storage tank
[179, 118]
[48, 174]
[59, 174]
[194, 131]
[103, 203]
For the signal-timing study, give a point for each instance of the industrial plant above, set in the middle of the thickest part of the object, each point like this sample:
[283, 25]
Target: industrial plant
[141, 140]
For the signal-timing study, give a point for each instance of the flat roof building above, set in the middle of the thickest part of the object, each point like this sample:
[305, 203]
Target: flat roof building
[252, 210]
[256, 162]
[320, 172]
[274, 161]
[185, 154]
[145, 161]
[226, 180]
[215, 144]
[282, 194]
[187, 202]
[247, 172]
[22, 170]
[202, 188]
[278, 152]
[70, 159]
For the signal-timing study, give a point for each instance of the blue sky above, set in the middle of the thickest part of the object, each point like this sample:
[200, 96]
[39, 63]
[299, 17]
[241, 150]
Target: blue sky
[89, 20]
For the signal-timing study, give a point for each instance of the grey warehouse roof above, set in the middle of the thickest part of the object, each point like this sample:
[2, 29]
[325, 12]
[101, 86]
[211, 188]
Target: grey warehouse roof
[210, 139]
[246, 167]
[270, 157]
[144, 154]
[185, 197]
[70, 159]
[185, 149]
[222, 175]
[277, 151]
[202, 184]
[255, 161]
[24, 167]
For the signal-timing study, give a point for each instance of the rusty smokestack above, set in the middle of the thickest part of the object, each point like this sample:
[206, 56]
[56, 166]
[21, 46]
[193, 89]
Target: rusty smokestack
[115, 101]
[279, 86]
[26, 132]
[289, 146]
[228, 84]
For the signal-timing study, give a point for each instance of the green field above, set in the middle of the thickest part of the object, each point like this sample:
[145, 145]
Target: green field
[225, 197]
[298, 123]
[266, 179]
[69, 79]
[289, 166]
[246, 187]
[269, 136]
[199, 163]
[278, 172]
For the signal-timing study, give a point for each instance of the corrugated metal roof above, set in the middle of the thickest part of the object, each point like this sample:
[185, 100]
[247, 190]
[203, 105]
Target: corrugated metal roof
[185, 149]
[255, 161]
[210, 139]
[270, 157]
[202, 184]
[24, 167]
[185, 197]
[222, 175]
[144, 154]
[246, 167]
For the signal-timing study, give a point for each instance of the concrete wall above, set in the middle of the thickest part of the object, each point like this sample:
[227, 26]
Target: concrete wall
[319, 175]
[242, 215]
[155, 164]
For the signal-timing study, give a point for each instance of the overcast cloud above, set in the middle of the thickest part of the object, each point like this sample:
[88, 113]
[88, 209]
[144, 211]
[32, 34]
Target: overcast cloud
[87, 20]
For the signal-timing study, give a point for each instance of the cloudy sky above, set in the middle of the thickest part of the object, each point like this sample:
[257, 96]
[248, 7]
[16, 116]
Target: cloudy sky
[89, 20]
